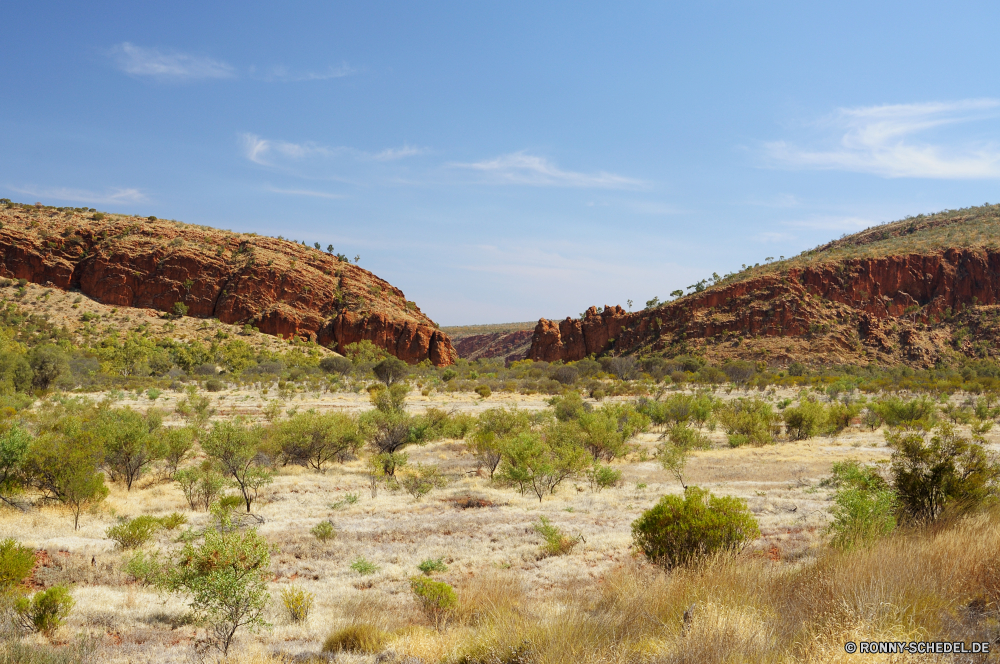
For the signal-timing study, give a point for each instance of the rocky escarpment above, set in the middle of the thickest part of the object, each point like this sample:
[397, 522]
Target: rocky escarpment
[280, 287]
[890, 309]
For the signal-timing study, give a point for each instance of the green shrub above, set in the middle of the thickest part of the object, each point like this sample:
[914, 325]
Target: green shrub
[348, 499]
[556, 542]
[432, 565]
[16, 563]
[226, 578]
[946, 472]
[805, 420]
[298, 603]
[173, 521]
[436, 598]
[483, 391]
[133, 533]
[865, 506]
[323, 531]
[748, 422]
[359, 637]
[45, 611]
[180, 309]
[214, 385]
[917, 413]
[420, 479]
[678, 531]
[603, 477]
[364, 567]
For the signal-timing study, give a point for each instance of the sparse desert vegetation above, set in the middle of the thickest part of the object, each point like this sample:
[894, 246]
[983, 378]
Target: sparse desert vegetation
[177, 488]
[365, 519]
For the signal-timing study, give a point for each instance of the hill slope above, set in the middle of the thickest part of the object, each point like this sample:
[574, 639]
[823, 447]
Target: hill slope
[278, 286]
[508, 341]
[916, 292]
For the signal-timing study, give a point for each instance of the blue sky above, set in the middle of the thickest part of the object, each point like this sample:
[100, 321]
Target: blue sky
[506, 161]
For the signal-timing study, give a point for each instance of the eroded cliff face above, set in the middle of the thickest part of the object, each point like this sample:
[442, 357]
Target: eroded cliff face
[278, 286]
[511, 346]
[857, 302]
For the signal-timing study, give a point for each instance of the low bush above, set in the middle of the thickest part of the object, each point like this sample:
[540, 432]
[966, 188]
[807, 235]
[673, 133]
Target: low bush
[436, 598]
[363, 566]
[677, 531]
[214, 385]
[432, 565]
[16, 563]
[298, 603]
[419, 480]
[805, 420]
[946, 471]
[556, 543]
[133, 533]
[323, 531]
[483, 391]
[359, 637]
[603, 477]
[748, 422]
[173, 521]
[44, 611]
[865, 506]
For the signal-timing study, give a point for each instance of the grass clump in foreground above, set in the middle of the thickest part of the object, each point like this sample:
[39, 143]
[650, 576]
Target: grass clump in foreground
[359, 637]
[747, 608]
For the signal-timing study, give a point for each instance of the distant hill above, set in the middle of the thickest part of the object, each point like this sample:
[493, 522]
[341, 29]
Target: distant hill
[276, 285]
[509, 341]
[917, 291]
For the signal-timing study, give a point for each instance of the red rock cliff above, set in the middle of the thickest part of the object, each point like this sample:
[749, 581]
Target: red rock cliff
[280, 287]
[859, 292]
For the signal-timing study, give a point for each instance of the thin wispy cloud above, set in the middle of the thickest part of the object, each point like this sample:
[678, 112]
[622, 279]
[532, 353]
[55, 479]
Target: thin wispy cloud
[172, 65]
[526, 169]
[267, 152]
[303, 192]
[109, 197]
[885, 140]
[283, 74]
[392, 154]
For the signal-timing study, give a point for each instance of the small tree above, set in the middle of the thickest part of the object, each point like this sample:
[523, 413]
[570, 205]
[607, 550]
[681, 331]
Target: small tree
[311, 439]
[541, 463]
[130, 444]
[226, 577]
[947, 471]
[677, 531]
[64, 465]
[177, 445]
[391, 370]
[234, 446]
[14, 444]
[865, 505]
[495, 427]
[436, 598]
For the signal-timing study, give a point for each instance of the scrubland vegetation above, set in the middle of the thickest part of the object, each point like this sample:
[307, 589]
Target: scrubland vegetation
[167, 499]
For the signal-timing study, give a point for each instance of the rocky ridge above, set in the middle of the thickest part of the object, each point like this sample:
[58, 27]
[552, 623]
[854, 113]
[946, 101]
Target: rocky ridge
[912, 308]
[280, 287]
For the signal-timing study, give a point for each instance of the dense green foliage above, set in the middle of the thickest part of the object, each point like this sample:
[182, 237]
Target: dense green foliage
[678, 531]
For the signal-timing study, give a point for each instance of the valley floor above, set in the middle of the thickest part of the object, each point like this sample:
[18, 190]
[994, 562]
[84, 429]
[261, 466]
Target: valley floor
[491, 548]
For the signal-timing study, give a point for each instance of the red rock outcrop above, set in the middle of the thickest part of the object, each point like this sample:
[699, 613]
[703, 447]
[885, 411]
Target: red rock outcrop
[857, 293]
[280, 287]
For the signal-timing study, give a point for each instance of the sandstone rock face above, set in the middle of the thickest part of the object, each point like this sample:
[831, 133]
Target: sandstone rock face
[861, 293]
[280, 287]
